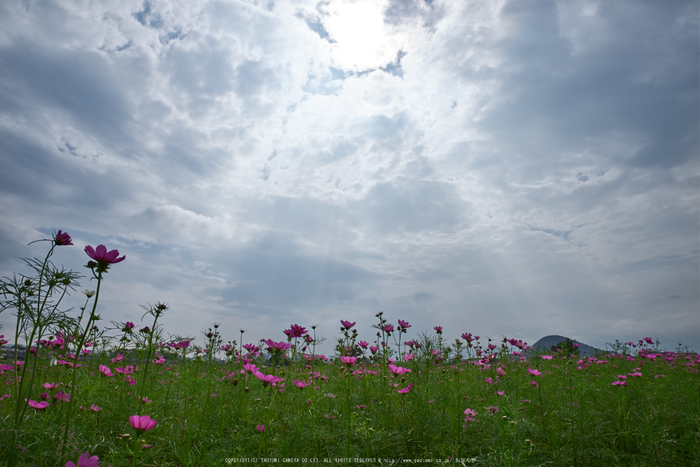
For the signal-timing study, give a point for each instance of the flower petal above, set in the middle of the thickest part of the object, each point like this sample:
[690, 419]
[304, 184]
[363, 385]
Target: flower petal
[91, 252]
[101, 251]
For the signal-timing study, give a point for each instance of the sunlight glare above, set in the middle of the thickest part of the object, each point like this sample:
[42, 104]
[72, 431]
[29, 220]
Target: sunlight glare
[361, 40]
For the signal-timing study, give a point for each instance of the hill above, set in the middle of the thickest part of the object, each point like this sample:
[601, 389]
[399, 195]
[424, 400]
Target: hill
[546, 343]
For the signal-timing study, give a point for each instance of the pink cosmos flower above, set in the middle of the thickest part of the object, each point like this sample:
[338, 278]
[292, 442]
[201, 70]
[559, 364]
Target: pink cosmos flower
[493, 409]
[103, 257]
[251, 348]
[406, 389]
[180, 345]
[363, 344]
[260, 428]
[250, 367]
[104, 369]
[62, 396]
[404, 324]
[299, 384]
[438, 329]
[267, 379]
[489, 381]
[388, 328]
[534, 372]
[62, 238]
[349, 361]
[85, 460]
[118, 358]
[546, 357]
[142, 423]
[398, 370]
[295, 331]
[38, 405]
[272, 345]
[373, 349]
[470, 416]
[347, 324]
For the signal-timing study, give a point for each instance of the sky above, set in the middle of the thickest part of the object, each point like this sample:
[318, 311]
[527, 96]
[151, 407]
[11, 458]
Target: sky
[508, 168]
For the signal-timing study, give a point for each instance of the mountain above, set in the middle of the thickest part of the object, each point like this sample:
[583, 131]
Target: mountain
[546, 343]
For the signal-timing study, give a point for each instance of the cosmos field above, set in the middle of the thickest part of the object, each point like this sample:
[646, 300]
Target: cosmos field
[95, 391]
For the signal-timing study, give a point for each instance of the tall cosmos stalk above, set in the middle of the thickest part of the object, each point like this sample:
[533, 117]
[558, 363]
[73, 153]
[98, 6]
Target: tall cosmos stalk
[102, 259]
[22, 291]
[156, 311]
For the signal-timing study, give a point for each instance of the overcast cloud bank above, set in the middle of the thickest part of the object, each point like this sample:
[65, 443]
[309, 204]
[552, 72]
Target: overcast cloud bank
[509, 168]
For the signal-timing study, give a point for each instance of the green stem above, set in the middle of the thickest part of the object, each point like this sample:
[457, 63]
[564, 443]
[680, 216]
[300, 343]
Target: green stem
[539, 391]
[35, 334]
[81, 342]
[573, 417]
[148, 359]
[18, 392]
[348, 411]
[19, 382]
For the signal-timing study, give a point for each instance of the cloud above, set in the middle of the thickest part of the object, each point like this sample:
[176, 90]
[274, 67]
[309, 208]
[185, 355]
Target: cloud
[65, 84]
[410, 207]
[583, 93]
[279, 277]
[505, 168]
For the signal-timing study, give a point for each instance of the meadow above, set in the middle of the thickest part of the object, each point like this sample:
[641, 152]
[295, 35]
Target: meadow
[91, 394]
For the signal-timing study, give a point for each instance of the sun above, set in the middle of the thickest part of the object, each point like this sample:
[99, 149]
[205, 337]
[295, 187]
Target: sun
[362, 40]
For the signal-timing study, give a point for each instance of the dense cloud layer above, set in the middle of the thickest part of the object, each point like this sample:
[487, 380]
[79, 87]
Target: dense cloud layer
[508, 168]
